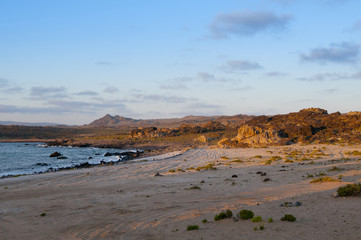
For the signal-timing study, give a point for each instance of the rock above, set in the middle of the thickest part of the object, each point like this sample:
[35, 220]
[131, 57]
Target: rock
[267, 180]
[42, 164]
[234, 176]
[235, 219]
[62, 157]
[158, 175]
[201, 138]
[298, 204]
[253, 136]
[55, 154]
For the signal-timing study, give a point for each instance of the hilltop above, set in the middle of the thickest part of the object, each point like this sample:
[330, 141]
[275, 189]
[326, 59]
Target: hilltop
[124, 122]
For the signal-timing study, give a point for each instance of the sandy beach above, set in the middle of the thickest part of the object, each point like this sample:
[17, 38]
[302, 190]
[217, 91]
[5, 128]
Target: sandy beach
[127, 201]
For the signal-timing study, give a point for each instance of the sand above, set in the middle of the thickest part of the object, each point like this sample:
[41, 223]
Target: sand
[127, 201]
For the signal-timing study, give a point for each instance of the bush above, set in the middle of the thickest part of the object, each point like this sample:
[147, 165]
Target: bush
[349, 190]
[172, 170]
[204, 221]
[206, 167]
[324, 179]
[223, 215]
[270, 220]
[288, 217]
[245, 214]
[192, 227]
[261, 227]
[257, 219]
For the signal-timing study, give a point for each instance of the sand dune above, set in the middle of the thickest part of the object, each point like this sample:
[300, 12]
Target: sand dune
[127, 201]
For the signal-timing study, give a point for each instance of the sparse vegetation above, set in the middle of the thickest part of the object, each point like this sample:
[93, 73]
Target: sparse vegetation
[349, 190]
[223, 215]
[268, 162]
[43, 214]
[354, 153]
[324, 179]
[207, 167]
[172, 170]
[192, 227]
[261, 227]
[190, 168]
[270, 220]
[245, 214]
[275, 158]
[334, 168]
[288, 217]
[204, 221]
[225, 158]
[257, 156]
[195, 188]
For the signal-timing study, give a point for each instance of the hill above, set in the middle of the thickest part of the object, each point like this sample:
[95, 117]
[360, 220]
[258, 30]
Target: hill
[123, 122]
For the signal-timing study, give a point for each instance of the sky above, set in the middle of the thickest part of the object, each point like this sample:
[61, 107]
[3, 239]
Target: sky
[72, 62]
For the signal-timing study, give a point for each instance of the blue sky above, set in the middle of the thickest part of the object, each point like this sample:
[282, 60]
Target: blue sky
[74, 61]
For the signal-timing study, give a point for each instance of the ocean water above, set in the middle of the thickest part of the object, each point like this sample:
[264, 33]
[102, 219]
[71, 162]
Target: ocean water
[32, 158]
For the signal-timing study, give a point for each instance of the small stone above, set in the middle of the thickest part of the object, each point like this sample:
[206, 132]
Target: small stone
[158, 175]
[234, 176]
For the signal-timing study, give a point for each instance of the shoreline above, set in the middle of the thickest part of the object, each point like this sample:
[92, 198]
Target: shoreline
[130, 201]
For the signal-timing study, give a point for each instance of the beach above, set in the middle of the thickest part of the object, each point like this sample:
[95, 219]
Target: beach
[159, 197]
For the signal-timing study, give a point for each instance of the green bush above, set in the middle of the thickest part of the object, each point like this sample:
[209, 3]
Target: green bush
[204, 221]
[192, 227]
[261, 227]
[245, 214]
[223, 215]
[270, 220]
[257, 219]
[349, 190]
[288, 217]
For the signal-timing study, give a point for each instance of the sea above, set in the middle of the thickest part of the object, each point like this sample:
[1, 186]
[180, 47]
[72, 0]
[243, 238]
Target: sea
[33, 158]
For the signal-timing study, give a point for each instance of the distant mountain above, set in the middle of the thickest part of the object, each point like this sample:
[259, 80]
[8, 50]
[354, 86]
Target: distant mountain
[40, 124]
[123, 122]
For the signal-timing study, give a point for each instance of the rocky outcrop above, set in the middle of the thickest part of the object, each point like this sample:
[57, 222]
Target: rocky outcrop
[154, 132]
[252, 135]
[307, 126]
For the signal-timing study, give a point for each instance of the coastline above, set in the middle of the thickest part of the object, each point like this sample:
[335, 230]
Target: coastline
[127, 201]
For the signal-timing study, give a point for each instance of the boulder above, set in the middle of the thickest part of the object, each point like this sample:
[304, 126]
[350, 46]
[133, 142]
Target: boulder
[55, 154]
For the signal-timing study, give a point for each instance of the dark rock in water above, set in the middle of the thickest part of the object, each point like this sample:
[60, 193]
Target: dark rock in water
[202, 181]
[234, 176]
[55, 154]
[263, 174]
[129, 155]
[42, 164]
[158, 175]
[258, 172]
[267, 180]
[62, 157]
[90, 157]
